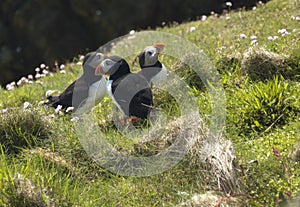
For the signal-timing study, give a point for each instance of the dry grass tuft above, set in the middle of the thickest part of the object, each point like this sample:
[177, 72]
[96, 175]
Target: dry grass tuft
[214, 154]
[261, 64]
[30, 194]
[54, 158]
[210, 199]
[162, 137]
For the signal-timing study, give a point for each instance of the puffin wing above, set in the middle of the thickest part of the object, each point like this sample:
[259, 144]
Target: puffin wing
[64, 99]
[79, 93]
[133, 94]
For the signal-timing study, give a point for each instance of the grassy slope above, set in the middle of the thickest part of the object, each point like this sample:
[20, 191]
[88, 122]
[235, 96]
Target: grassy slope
[52, 162]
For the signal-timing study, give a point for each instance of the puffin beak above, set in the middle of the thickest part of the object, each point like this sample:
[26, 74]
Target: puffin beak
[159, 47]
[97, 70]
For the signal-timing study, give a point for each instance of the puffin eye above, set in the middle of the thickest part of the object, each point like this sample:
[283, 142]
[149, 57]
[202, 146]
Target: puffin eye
[99, 55]
[149, 53]
[109, 62]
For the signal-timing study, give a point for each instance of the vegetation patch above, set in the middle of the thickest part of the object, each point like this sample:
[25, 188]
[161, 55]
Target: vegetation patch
[21, 129]
[263, 105]
[260, 64]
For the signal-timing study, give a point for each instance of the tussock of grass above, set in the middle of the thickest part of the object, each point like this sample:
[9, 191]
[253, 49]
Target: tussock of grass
[29, 193]
[260, 64]
[263, 105]
[184, 130]
[22, 129]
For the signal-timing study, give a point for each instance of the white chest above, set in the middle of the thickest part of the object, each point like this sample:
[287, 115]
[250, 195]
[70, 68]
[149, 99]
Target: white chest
[109, 92]
[160, 77]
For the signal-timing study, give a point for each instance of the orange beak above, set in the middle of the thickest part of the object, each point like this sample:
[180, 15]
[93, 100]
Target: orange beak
[97, 70]
[159, 47]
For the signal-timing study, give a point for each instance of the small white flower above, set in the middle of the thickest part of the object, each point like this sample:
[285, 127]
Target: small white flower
[203, 18]
[62, 71]
[42, 66]
[79, 63]
[62, 66]
[283, 32]
[294, 30]
[4, 111]
[52, 115]
[254, 42]
[69, 109]
[9, 87]
[260, 2]
[50, 92]
[298, 19]
[131, 32]
[270, 38]
[192, 29]
[26, 105]
[227, 17]
[75, 118]
[229, 4]
[30, 77]
[37, 69]
[131, 37]
[293, 17]
[58, 109]
[275, 37]
[254, 8]
[45, 71]
[19, 83]
[81, 57]
[43, 75]
[253, 37]
[243, 36]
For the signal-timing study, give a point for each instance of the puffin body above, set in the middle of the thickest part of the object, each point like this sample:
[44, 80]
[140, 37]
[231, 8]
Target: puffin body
[130, 92]
[86, 91]
[152, 69]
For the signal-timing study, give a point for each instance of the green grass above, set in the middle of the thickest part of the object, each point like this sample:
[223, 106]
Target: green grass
[43, 163]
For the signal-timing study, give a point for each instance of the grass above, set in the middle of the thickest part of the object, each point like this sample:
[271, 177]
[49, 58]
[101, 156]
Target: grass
[44, 163]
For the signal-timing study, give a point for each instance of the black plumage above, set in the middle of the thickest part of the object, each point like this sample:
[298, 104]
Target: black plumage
[80, 87]
[130, 92]
[152, 69]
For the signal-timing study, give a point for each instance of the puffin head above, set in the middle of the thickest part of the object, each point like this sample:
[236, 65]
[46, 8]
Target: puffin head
[91, 61]
[149, 55]
[111, 65]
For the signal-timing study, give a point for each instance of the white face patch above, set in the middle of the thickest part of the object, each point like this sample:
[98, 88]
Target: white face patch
[106, 66]
[151, 56]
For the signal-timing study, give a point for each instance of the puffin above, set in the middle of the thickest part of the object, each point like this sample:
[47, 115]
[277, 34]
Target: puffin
[130, 92]
[85, 92]
[151, 68]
